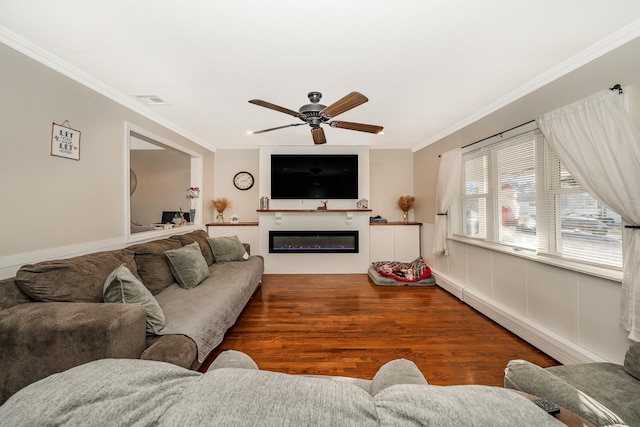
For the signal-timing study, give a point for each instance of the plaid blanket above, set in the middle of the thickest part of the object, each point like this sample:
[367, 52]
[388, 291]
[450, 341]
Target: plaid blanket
[404, 271]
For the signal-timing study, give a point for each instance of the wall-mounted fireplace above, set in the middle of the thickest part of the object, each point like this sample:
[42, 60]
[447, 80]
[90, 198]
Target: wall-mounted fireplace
[339, 241]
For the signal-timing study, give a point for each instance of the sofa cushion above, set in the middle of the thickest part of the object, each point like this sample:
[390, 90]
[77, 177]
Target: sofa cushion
[530, 378]
[123, 287]
[187, 265]
[606, 383]
[205, 312]
[227, 249]
[232, 359]
[462, 405]
[152, 264]
[78, 279]
[632, 361]
[399, 371]
[139, 392]
[201, 237]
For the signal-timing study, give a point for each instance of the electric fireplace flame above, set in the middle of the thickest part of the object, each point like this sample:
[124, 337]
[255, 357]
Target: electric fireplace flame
[340, 241]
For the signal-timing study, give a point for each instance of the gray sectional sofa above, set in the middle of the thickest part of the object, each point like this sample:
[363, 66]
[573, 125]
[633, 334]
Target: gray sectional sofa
[605, 394]
[234, 392]
[53, 314]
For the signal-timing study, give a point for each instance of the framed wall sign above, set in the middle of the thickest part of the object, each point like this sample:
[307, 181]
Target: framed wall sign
[65, 142]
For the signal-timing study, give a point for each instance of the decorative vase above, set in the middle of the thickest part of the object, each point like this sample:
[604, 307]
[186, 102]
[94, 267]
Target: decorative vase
[405, 217]
[192, 216]
[220, 218]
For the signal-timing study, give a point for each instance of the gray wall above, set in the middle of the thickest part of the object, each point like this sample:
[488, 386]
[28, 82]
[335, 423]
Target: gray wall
[60, 202]
[163, 179]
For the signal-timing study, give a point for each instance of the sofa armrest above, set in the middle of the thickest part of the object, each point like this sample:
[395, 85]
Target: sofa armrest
[41, 338]
[174, 348]
[10, 294]
[532, 379]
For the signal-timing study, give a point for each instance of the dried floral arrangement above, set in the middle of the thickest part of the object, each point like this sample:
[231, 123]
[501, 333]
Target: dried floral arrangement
[406, 203]
[221, 204]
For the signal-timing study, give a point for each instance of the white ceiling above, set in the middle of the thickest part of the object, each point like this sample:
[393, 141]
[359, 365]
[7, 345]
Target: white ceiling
[428, 67]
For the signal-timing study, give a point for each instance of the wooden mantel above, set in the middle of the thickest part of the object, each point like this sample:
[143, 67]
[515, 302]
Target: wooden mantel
[311, 210]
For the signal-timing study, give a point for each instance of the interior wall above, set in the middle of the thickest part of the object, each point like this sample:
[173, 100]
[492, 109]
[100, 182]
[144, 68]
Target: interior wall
[163, 179]
[391, 176]
[244, 203]
[579, 308]
[63, 202]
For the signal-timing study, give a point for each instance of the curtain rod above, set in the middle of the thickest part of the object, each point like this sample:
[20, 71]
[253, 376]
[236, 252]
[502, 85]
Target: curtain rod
[617, 87]
[497, 134]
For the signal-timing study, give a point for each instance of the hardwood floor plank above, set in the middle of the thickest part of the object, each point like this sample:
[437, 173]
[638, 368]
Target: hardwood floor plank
[342, 324]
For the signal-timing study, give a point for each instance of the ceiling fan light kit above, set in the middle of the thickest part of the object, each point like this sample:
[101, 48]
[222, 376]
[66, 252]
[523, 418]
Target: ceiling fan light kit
[316, 114]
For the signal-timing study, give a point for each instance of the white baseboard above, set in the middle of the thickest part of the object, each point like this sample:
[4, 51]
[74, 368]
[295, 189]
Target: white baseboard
[561, 349]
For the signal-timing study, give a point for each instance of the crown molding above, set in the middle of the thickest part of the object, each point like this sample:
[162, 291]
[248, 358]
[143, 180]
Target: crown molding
[596, 50]
[46, 58]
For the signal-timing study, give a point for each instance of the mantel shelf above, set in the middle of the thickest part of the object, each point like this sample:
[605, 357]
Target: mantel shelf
[312, 210]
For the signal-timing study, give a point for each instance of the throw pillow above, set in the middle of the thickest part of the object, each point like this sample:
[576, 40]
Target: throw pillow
[187, 265]
[122, 287]
[227, 249]
[201, 237]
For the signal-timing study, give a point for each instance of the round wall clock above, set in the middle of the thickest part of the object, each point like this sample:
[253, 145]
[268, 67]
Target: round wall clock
[243, 180]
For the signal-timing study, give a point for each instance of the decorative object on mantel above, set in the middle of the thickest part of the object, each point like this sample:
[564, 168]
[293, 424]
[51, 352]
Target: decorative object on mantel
[235, 219]
[178, 219]
[221, 205]
[362, 203]
[192, 194]
[65, 142]
[406, 203]
[324, 205]
[264, 203]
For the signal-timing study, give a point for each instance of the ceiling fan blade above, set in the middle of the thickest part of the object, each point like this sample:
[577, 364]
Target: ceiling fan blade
[271, 106]
[357, 126]
[253, 132]
[346, 103]
[318, 136]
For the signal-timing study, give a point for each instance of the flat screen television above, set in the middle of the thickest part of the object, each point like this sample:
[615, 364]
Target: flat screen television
[314, 176]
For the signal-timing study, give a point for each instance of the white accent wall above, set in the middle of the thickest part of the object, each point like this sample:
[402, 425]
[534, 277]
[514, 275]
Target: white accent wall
[314, 263]
[572, 316]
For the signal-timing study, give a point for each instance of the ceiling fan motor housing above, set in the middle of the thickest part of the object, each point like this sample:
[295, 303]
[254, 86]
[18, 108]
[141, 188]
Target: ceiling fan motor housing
[310, 113]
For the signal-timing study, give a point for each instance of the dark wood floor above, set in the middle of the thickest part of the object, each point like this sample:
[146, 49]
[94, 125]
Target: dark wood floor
[345, 325]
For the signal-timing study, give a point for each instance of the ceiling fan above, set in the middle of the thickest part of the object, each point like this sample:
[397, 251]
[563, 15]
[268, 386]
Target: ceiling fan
[315, 114]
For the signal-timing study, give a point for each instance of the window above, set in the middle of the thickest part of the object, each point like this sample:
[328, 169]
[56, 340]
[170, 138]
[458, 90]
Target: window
[581, 228]
[517, 193]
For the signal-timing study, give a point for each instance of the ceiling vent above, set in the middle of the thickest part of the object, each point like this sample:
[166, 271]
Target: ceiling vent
[151, 99]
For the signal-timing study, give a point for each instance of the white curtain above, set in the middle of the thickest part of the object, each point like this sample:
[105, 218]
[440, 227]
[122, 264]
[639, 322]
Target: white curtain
[447, 191]
[598, 142]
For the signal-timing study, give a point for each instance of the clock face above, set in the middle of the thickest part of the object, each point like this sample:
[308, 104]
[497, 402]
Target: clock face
[243, 180]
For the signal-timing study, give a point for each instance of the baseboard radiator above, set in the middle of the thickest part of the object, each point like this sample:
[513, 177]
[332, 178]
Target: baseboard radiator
[561, 349]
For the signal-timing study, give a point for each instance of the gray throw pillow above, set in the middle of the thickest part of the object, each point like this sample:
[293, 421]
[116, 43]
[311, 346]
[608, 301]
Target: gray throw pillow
[187, 265]
[123, 287]
[227, 249]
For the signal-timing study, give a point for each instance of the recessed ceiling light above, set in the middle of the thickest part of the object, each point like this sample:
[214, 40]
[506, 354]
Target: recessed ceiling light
[151, 99]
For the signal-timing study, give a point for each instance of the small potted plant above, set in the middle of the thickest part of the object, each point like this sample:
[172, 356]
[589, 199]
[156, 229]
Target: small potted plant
[406, 203]
[221, 205]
